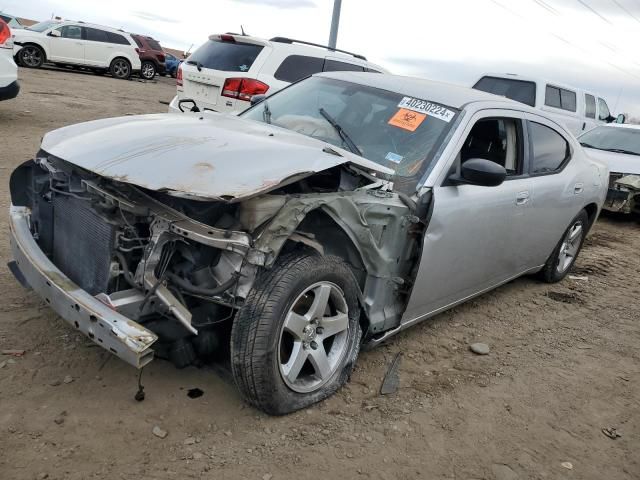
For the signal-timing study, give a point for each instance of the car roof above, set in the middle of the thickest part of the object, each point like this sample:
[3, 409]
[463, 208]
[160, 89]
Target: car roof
[438, 92]
[95, 25]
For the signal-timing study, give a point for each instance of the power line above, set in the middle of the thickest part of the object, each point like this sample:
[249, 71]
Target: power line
[565, 40]
[547, 7]
[585, 5]
[624, 9]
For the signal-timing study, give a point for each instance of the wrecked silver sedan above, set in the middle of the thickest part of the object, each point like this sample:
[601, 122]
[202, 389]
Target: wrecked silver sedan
[333, 214]
[618, 147]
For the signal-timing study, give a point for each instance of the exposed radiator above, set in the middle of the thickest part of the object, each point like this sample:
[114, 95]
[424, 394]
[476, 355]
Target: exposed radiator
[83, 243]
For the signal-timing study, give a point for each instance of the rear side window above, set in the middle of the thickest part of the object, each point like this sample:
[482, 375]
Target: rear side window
[117, 38]
[549, 149]
[560, 98]
[138, 42]
[154, 44]
[297, 67]
[589, 106]
[336, 66]
[518, 90]
[226, 56]
[6, 19]
[96, 35]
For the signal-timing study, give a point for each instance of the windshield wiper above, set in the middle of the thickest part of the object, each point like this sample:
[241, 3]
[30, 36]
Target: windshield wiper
[266, 112]
[587, 145]
[620, 150]
[343, 135]
[196, 63]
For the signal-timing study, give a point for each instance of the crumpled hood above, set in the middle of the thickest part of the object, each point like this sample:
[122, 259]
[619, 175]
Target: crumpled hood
[616, 162]
[206, 155]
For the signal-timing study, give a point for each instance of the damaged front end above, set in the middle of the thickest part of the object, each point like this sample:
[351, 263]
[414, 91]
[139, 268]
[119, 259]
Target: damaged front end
[624, 194]
[144, 272]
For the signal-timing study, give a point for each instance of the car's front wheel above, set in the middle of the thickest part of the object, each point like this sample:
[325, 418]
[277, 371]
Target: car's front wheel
[296, 339]
[31, 56]
[120, 68]
[566, 252]
[148, 70]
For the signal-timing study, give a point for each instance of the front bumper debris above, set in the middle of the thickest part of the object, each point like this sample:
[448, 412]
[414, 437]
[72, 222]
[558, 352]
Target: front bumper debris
[623, 195]
[109, 329]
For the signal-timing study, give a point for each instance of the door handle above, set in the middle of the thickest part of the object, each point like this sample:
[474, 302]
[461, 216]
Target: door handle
[578, 188]
[522, 198]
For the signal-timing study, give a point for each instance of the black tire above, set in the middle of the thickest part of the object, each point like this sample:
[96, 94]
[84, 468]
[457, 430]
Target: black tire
[558, 264]
[258, 333]
[120, 68]
[31, 56]
[148, 70]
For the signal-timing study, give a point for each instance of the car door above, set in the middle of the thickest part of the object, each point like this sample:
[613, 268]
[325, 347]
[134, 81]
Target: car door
[557, 186]
[69, 46]
[476, 234]
[98, 48]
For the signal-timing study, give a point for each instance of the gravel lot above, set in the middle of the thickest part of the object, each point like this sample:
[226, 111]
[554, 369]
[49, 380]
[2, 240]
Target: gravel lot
[563, 365]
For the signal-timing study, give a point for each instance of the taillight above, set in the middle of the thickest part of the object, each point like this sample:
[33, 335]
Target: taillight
[160, 57]
[179, 76]
[227, 38]
[243, 88]
[5, 34]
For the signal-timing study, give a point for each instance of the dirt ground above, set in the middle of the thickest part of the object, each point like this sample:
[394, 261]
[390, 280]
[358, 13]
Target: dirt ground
[564, 364]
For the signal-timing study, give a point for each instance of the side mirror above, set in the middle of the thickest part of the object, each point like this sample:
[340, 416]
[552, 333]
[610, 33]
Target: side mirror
[256, 99]
[479, 171]
[621, 118]
[55, 33]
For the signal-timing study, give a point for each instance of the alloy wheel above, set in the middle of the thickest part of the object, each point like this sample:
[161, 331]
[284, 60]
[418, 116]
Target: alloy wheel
[313, 338]
[31, 57]
[570, 246]
[148, 71]
[121, 69]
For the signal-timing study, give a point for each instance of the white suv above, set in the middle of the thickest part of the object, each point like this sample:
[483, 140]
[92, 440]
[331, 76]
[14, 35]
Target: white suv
[78, 44]
[9, 87]
[225, 72]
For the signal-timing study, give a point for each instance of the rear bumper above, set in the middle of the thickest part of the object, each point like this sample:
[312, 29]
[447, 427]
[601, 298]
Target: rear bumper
[10, 91]
[109, 329]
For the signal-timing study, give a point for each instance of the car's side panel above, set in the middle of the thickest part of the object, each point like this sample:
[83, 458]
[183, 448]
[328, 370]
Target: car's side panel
[556, 198]
[474, 237]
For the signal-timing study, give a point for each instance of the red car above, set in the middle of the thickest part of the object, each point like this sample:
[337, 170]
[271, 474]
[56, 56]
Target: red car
[151, 56]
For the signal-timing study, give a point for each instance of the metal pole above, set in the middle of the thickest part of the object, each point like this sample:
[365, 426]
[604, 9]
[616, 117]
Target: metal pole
[335, 21]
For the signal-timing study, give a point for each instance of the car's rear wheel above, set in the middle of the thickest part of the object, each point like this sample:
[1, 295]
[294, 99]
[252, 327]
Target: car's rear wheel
[296, 339]
[120, 68]
[566, 252]
[148, 70]
[31, 56]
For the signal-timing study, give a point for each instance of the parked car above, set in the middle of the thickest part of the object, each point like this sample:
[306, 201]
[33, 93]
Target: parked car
[70, 43]
[576, 109]
[171, 64]
[335, 213]
[9, 87]
[11, 20]
[618, 147]
[226, 71]
[152, 56]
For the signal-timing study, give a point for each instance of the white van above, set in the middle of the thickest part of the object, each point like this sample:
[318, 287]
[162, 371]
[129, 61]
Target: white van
[576, 109]
[226, 71]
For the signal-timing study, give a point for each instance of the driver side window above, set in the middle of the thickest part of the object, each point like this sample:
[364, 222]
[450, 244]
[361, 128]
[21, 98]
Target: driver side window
[71, 31]
[498, 140]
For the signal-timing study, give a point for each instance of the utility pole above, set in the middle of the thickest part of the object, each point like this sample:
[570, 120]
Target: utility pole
[335, 21]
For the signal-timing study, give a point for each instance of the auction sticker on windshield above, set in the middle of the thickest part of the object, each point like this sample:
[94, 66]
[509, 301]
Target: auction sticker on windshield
[407, 119]
[428, 108]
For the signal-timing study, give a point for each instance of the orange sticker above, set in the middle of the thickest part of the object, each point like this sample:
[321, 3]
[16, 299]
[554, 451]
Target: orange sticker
[407, 119]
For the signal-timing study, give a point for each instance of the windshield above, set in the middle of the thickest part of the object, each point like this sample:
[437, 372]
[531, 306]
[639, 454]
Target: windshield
[225, 56]
[394, 130]
[624, 140]
[42, 26]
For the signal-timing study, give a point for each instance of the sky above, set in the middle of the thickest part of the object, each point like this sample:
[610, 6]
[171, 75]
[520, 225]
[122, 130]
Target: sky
[589, 44]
